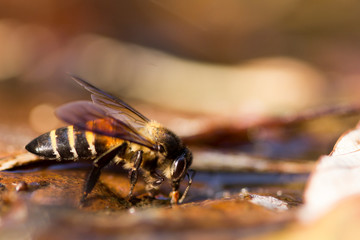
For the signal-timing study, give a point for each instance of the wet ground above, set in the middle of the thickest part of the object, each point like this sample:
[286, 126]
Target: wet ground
[39, 202]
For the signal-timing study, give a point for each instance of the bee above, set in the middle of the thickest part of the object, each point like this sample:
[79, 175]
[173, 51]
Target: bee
[107, 130]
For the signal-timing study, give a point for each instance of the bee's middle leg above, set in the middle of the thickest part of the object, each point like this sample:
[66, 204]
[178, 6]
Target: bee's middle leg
[98, 164]
[134, 172]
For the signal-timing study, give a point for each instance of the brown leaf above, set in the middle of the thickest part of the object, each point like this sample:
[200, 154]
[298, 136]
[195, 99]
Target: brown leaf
[336, 177]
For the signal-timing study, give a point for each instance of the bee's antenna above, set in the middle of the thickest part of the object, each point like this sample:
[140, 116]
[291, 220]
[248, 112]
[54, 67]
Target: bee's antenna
[193, 172]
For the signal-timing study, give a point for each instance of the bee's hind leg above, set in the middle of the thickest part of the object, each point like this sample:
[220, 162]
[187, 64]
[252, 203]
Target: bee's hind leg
[98, 164]
[134, 171]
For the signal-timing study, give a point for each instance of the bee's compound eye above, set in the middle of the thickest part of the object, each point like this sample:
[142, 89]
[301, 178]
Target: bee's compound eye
[178, 168]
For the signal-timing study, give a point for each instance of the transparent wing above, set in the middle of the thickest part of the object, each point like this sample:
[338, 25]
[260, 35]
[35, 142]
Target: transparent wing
[91, 117]
[113, 106]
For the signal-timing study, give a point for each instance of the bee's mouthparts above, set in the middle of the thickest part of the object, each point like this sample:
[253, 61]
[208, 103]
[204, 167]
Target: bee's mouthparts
[174, 195]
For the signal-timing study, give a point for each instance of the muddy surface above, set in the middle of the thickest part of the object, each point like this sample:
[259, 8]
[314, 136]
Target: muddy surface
[42, 201]
[39, 201]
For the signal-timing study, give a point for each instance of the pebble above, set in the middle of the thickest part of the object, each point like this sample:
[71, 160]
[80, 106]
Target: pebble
[22, 186]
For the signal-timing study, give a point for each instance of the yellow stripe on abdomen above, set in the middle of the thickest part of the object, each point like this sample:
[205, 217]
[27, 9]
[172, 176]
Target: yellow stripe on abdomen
[53, 143]
[71, 139]
[90, 138]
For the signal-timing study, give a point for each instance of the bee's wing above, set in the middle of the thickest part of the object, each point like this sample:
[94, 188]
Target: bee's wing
[92, 117]
[113, 106]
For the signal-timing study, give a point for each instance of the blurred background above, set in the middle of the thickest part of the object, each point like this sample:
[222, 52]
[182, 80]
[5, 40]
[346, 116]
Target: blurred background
[178, 62]
[238, 80]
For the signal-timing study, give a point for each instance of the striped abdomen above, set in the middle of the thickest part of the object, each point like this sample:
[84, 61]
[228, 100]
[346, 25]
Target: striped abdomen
[69, 143]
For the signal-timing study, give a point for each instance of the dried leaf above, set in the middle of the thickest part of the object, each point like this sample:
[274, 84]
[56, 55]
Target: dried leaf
[336, 177]
[17, 160]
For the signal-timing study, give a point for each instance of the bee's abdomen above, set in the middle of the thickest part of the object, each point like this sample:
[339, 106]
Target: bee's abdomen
[67, 143]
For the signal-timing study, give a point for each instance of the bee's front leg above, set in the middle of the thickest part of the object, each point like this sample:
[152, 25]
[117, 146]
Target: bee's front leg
[153, 180]
[134, 172]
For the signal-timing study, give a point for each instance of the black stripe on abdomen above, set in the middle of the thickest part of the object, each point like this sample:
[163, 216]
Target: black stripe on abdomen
[62, 144]
[82, 146]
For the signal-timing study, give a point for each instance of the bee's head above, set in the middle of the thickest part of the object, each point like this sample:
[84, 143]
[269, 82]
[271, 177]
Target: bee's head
[178, 170]
[177, 157]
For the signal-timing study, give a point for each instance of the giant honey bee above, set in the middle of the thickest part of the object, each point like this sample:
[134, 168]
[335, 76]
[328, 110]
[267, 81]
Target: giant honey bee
[107, 130]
